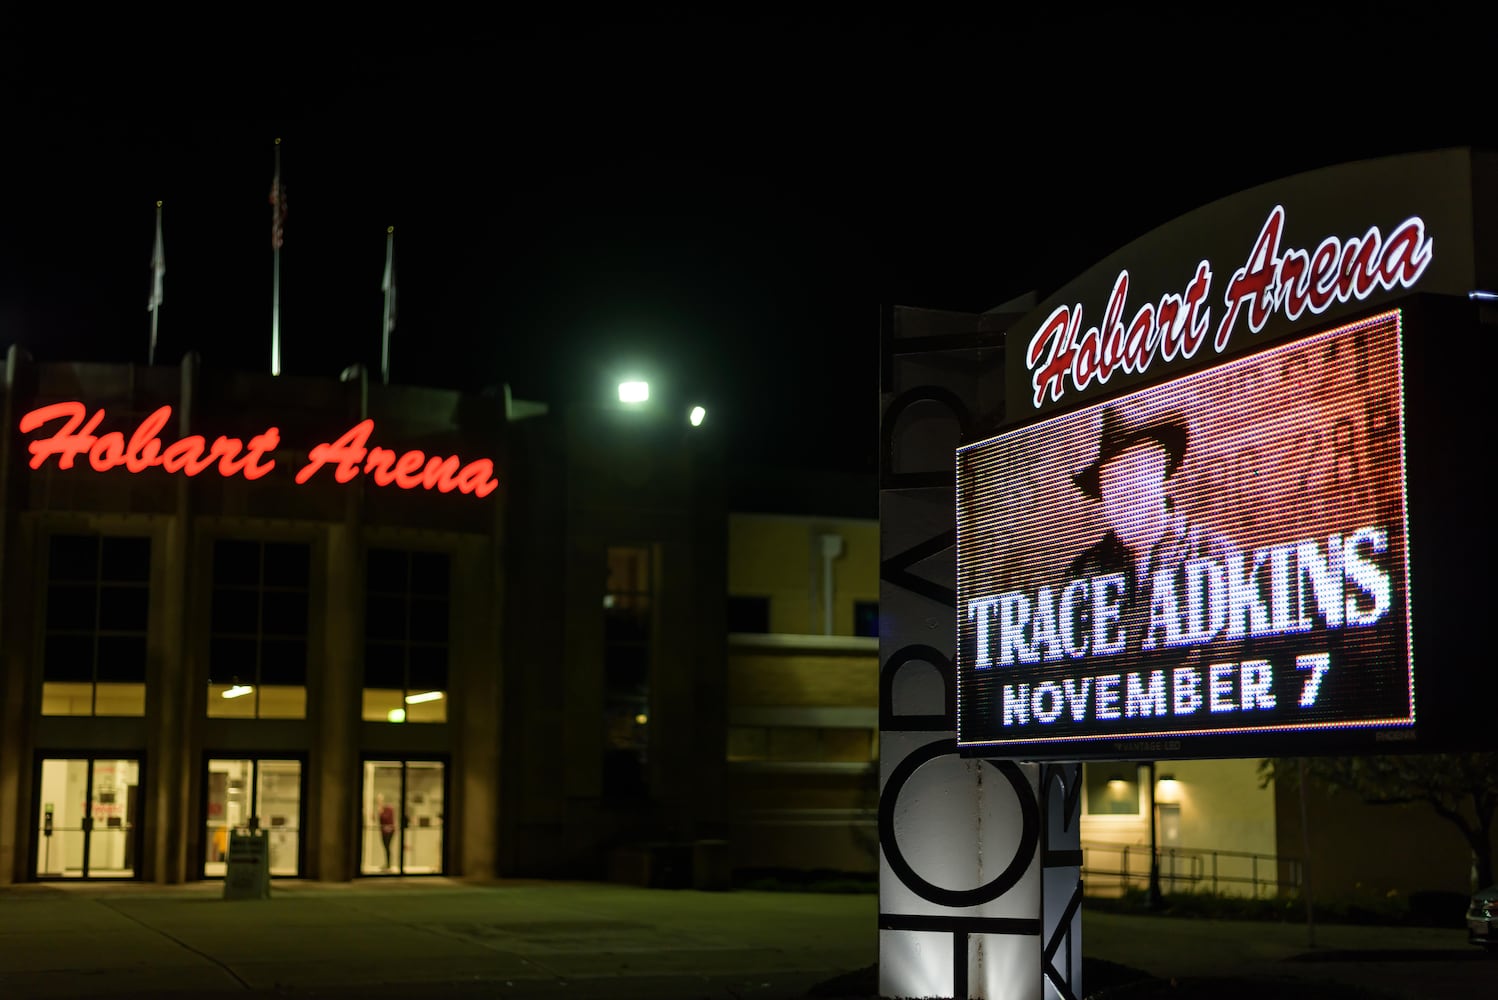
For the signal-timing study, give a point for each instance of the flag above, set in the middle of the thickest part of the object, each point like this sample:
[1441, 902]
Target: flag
[387, 285]
[277, 205]
[158, 267]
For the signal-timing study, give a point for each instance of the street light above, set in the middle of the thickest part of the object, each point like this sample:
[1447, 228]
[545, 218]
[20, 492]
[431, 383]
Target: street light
[634, 391]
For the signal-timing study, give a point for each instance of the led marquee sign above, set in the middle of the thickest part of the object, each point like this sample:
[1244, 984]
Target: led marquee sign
[1223, 553]
[350, 455]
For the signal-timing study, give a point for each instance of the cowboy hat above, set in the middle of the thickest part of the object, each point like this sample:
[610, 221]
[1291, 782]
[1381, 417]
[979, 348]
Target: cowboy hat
[1118, 437]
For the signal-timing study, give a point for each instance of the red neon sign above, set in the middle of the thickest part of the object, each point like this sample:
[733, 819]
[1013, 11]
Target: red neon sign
[349, 455]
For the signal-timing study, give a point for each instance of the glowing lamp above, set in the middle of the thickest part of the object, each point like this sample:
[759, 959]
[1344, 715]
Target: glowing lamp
[417, 699]
[634, 392]
[697, 415]
[238, 691]
[396, 715]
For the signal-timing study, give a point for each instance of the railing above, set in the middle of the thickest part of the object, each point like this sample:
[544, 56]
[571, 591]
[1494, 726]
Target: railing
[1187, 869]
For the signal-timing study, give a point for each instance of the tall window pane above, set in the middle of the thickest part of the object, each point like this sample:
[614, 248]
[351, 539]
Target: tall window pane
[257, 651]
[406, 613]
[628, 606]
[96, 618]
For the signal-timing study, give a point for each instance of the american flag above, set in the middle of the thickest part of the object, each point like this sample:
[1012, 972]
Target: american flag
[277, 206]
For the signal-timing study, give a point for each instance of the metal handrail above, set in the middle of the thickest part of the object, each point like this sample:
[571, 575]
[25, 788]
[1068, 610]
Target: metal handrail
[1192, 869]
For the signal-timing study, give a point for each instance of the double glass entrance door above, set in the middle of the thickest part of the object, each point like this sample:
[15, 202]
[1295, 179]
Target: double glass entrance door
[88, 818]
[403, 805]
[254, 794]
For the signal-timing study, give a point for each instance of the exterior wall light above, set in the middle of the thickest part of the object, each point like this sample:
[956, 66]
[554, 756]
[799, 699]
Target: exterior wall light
[396, 715]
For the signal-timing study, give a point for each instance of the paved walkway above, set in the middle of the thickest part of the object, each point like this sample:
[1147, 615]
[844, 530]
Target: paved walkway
[423, 937]
[413, 938]
[1277, 960]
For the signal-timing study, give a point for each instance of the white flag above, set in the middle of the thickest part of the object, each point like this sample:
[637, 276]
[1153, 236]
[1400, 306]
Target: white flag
[158, 268]
[387, 285]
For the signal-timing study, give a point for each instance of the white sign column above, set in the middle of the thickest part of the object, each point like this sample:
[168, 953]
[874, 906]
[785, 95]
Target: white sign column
[979, 873]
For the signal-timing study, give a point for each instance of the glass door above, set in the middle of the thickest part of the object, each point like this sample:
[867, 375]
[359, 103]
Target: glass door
[278, 804]
[403, 817]
[421, 853]
[88, 809]
[253, 794]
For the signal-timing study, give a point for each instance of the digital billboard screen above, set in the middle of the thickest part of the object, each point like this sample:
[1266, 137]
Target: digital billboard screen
[1218, 557]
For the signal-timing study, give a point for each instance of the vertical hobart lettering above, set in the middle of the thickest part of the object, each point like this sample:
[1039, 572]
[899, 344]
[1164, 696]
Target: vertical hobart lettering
[924, 888]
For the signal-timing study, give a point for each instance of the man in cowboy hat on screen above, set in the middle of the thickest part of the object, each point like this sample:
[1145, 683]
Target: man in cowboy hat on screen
[1134, 464]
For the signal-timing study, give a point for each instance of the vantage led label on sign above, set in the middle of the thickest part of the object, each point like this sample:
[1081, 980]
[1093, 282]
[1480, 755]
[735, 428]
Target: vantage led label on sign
[1225, 553]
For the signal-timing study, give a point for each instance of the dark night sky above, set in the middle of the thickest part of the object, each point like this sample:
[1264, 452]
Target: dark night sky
[725, 204]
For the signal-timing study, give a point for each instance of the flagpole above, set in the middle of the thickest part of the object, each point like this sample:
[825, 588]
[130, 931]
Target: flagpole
[389, 286]
[158, 268]
[275, 313]
[275, 292]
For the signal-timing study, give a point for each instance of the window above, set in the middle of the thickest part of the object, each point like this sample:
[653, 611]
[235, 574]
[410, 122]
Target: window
[1112, 789]
[405, 636]
[866, 618]
[628, 603]
[98, 604]
[257, 656]
[749, 614]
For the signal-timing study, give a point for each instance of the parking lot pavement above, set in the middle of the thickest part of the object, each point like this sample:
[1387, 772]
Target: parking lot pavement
[587, 941]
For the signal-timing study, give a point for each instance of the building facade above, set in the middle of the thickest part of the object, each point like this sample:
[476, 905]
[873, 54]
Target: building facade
[1215, 829]
[380, 624]
[803, 692]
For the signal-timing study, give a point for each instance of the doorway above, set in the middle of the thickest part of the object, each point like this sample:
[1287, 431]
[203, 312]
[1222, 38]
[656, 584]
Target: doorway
[87, 817]
[403, 808]
[253, 794]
